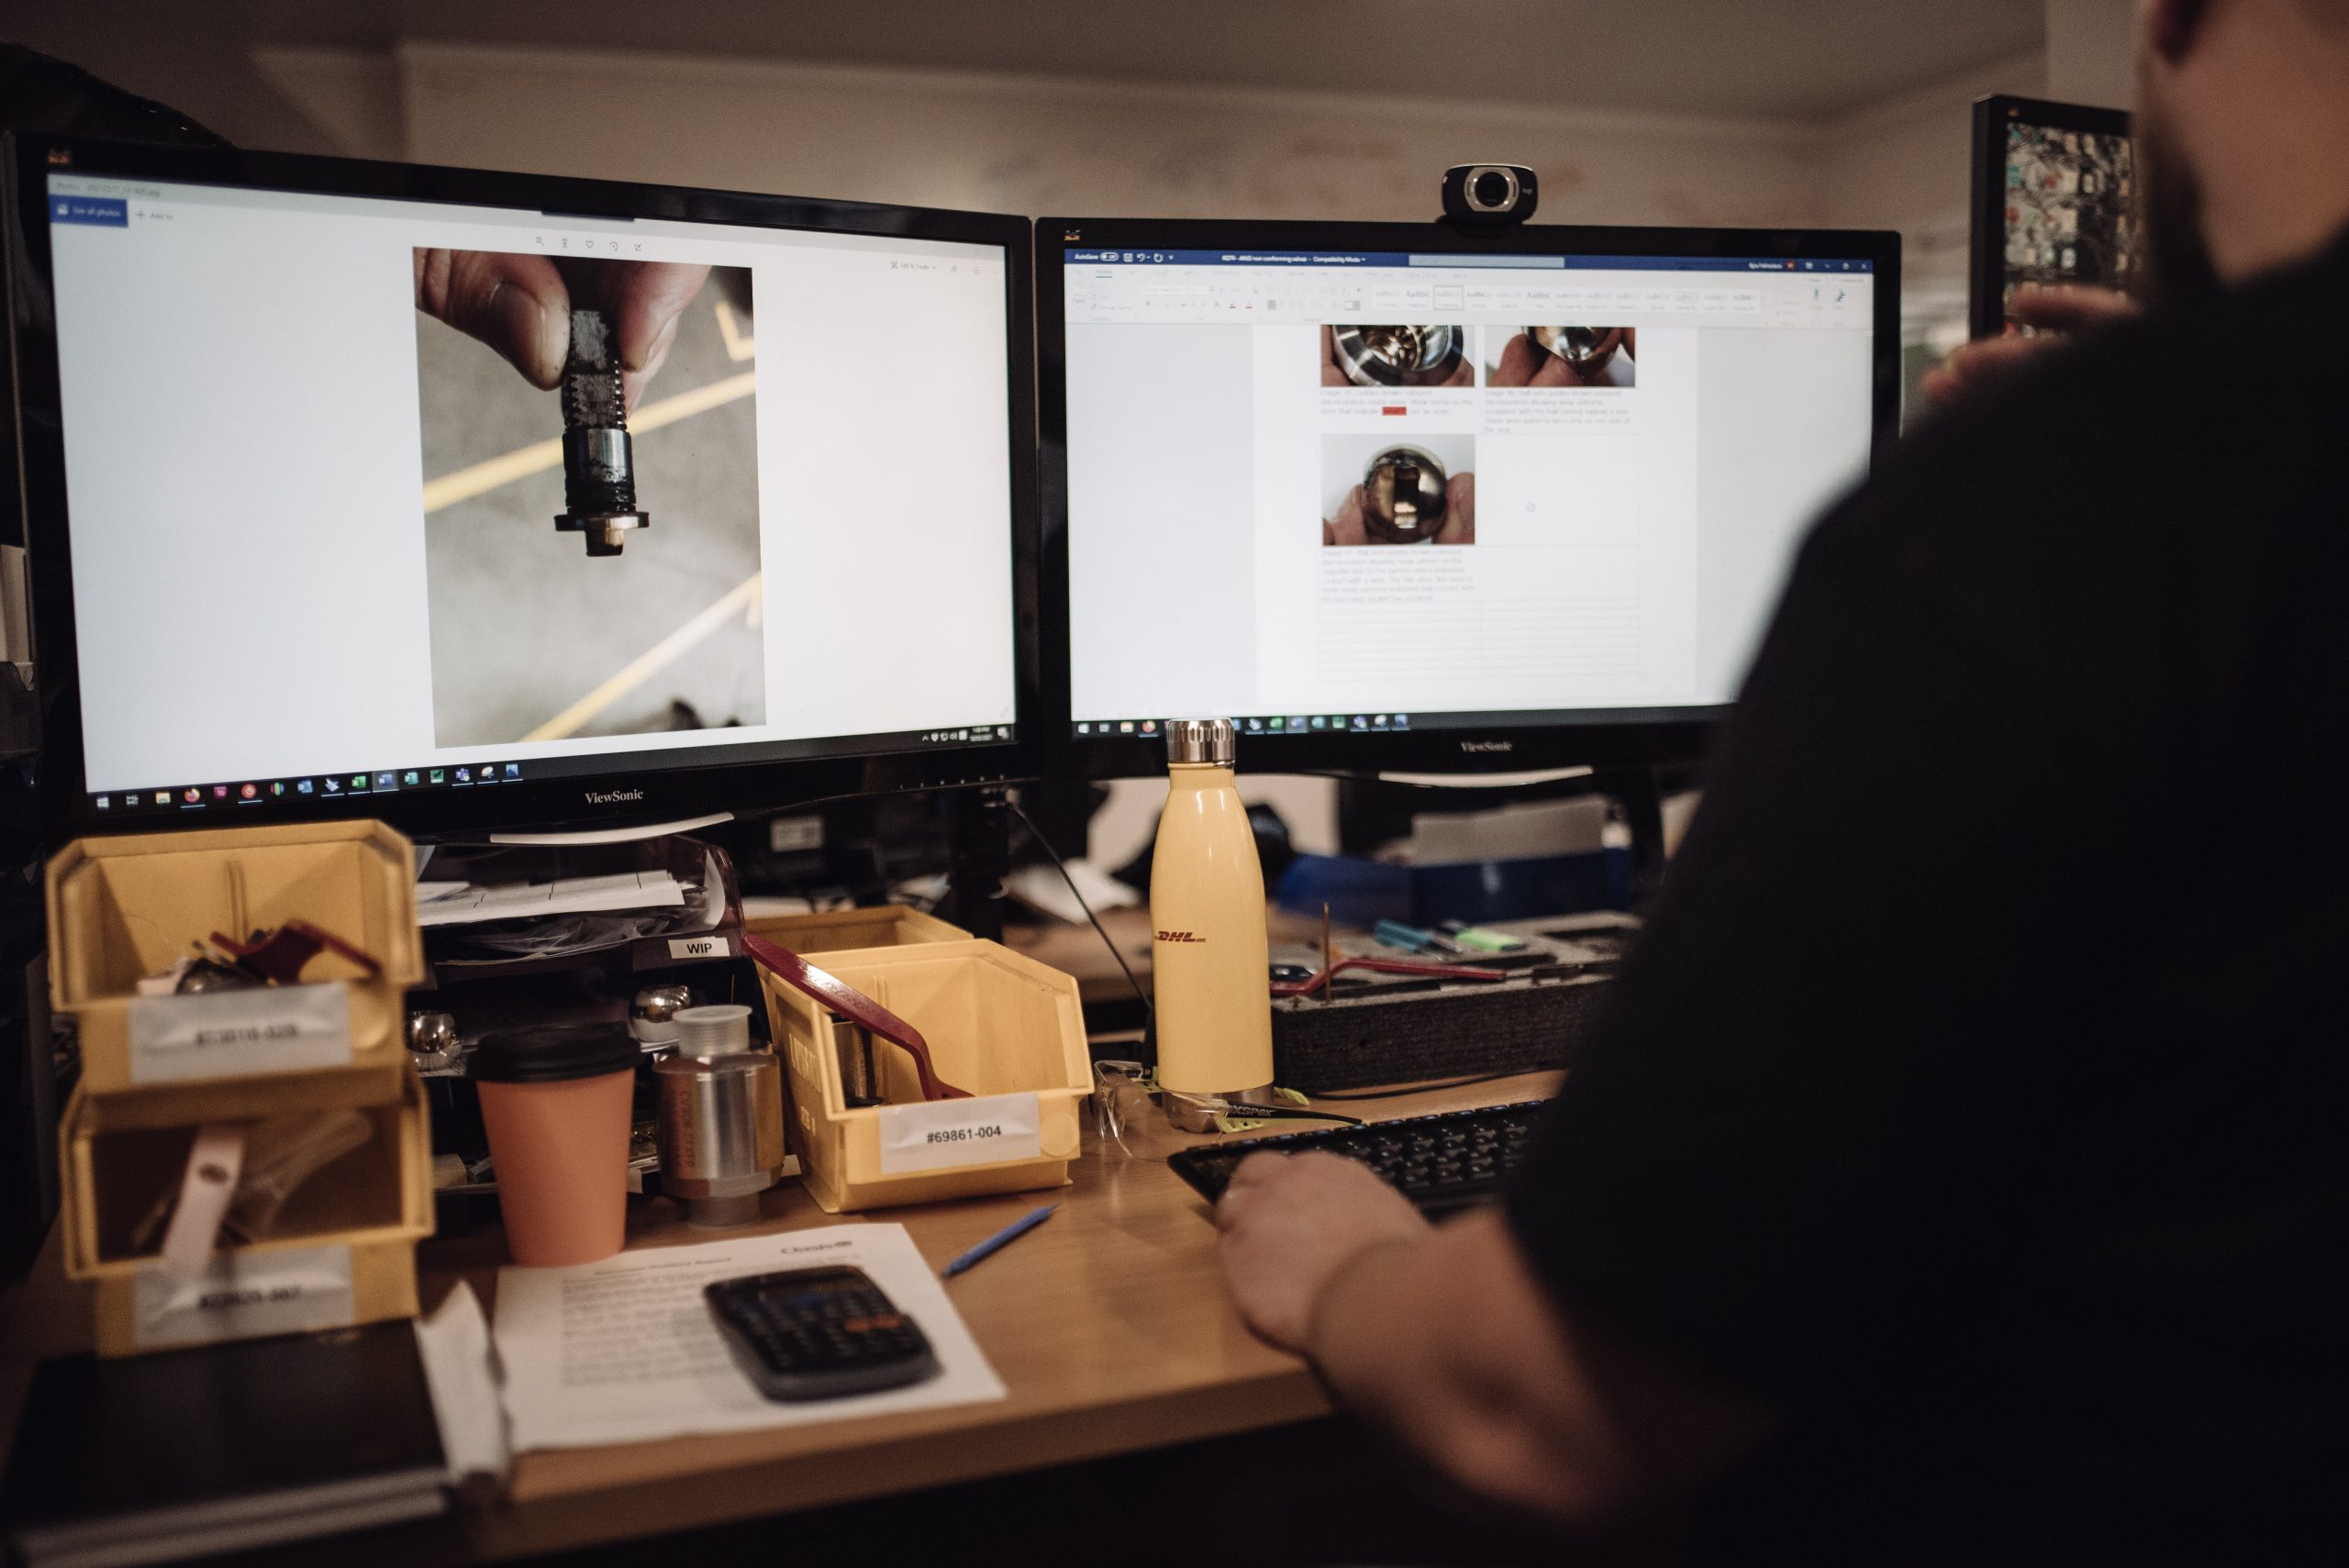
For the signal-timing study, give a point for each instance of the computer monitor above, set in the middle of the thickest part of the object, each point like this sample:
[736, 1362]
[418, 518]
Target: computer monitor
[2055, 201]
[1469, 542]
[473, 499]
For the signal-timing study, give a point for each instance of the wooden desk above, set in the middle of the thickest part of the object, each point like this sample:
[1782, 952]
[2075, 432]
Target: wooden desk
[1108, 1327]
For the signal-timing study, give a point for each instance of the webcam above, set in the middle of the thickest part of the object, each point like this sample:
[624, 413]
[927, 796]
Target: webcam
[1492, 194]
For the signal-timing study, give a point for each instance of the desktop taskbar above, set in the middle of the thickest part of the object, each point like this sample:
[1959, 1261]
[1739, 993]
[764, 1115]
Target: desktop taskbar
[1286, 724]
[228, 795]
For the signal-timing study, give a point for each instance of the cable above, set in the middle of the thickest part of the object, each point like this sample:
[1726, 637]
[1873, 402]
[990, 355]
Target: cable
[1139, 994]
[1431, 1088]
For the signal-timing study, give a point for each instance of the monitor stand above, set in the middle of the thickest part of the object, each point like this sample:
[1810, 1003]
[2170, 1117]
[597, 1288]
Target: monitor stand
[1636, 791]
[626, 834]
[979, 850]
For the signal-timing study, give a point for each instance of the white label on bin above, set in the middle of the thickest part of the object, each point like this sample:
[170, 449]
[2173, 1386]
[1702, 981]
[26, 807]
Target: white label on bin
[700, 947]
[940, 1135]
[243, 1295]
[228, 1034]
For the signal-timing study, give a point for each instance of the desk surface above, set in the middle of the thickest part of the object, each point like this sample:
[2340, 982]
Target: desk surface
[1108, 1327]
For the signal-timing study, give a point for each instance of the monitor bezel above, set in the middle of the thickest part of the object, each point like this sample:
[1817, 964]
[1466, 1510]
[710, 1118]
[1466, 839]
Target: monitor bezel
[1986, 277]
[1611, 737]
[640, 792]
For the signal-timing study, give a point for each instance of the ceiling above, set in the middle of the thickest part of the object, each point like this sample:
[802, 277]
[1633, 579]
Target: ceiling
[1779, 59]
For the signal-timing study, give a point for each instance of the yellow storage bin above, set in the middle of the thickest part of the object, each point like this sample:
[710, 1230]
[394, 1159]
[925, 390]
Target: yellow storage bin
[844, 930]
[120, 910]
[1006, 1027]
[344, 1247]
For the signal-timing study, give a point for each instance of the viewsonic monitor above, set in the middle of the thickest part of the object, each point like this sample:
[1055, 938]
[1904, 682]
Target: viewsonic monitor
[461, 498]
[1542, 522]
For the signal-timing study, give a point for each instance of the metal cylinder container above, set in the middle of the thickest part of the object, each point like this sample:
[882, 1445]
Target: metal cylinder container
[721, 1117]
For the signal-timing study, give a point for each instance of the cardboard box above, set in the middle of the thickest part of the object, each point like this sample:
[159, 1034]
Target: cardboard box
[1004, 1027]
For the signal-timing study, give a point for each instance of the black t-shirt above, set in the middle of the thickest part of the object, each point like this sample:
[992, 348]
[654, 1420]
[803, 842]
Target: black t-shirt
[1979, 1090]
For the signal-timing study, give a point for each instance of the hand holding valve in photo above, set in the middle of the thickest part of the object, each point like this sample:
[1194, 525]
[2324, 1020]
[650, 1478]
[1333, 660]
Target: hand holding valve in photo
[1384, 492]
[596, 329]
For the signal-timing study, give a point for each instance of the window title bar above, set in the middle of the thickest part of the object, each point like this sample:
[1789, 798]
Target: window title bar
[1077, 255]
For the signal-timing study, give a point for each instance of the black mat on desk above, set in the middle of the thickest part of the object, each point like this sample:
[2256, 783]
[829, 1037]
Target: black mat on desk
[1377, 1030]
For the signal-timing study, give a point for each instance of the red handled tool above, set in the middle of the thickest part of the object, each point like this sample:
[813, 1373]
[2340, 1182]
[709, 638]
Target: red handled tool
[861, 1009]
[280, 956]
[1384, 966]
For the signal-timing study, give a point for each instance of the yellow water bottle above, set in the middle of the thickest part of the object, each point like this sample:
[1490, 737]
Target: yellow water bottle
[1209, 954]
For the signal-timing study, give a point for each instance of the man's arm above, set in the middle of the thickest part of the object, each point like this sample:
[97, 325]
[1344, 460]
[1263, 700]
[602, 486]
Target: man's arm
[1444, 1337]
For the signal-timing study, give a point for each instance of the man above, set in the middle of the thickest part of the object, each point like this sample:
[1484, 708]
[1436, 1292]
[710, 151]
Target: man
[1962, 1172]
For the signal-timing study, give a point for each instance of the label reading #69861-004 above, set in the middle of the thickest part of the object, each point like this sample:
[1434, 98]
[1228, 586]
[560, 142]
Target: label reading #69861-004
[938, 1135]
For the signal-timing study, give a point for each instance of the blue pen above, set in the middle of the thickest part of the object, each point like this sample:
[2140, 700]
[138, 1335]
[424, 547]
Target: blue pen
[1000, 1239]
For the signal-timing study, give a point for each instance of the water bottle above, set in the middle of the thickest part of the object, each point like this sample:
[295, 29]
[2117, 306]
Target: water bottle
[1207, 949]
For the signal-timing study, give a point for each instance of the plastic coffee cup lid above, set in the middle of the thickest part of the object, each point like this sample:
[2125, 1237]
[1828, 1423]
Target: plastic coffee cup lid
[555, 1053]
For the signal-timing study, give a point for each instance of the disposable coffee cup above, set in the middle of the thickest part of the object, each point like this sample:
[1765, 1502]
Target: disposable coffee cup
[556, 1102]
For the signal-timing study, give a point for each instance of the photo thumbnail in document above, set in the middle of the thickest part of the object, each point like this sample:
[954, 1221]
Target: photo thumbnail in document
[1561, 356]
[1389, 489]
[591, 495]
[1397, 356]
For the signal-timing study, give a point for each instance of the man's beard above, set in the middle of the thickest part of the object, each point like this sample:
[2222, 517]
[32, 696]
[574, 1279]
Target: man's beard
[2176, 259]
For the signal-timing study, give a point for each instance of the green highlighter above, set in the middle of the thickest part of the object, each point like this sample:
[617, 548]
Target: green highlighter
[1476, 939]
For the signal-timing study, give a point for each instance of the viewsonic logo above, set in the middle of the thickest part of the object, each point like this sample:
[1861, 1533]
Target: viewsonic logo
[1474, 747]
[613, 796]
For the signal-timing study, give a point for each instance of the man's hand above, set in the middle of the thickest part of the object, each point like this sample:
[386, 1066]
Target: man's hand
[520, 306]
[1525, 362]
[1290, 1223]
[2056, 309]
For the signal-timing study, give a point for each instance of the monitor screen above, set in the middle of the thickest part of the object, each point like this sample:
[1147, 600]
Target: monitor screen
[386, 496]
[2055, 203]
[1280, 511]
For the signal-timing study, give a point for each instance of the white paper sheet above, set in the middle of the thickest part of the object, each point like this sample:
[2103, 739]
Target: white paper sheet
[624, 1351]
[453, 1345]
[565, 896]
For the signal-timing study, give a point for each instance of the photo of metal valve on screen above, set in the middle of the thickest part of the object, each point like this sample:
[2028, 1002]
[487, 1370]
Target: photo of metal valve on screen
[1403, 495]
[857, 1020]
[1398, 356]
[598, 464]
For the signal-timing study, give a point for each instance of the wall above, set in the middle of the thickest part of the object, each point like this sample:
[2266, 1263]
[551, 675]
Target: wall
[1028, 145]
[2092, 51]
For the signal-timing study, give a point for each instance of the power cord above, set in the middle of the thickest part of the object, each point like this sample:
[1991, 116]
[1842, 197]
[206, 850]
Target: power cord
[1139, 994]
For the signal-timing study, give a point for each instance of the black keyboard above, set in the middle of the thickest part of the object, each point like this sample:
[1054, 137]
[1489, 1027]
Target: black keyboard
[1440, 1162]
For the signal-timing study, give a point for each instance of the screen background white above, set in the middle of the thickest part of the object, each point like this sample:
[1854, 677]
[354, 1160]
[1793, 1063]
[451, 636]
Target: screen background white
[242, 465]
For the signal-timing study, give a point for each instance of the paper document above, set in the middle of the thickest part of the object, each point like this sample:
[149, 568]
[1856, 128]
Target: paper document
[460, 904]
[625, 1351]
[453, 1345]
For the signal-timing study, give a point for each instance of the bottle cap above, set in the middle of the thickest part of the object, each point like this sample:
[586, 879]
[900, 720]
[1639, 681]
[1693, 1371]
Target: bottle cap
[718, 1029]
[1199, 740]
[555, 1054]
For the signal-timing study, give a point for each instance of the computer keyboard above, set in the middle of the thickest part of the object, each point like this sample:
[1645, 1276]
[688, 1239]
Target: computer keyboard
[1440, 1162]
